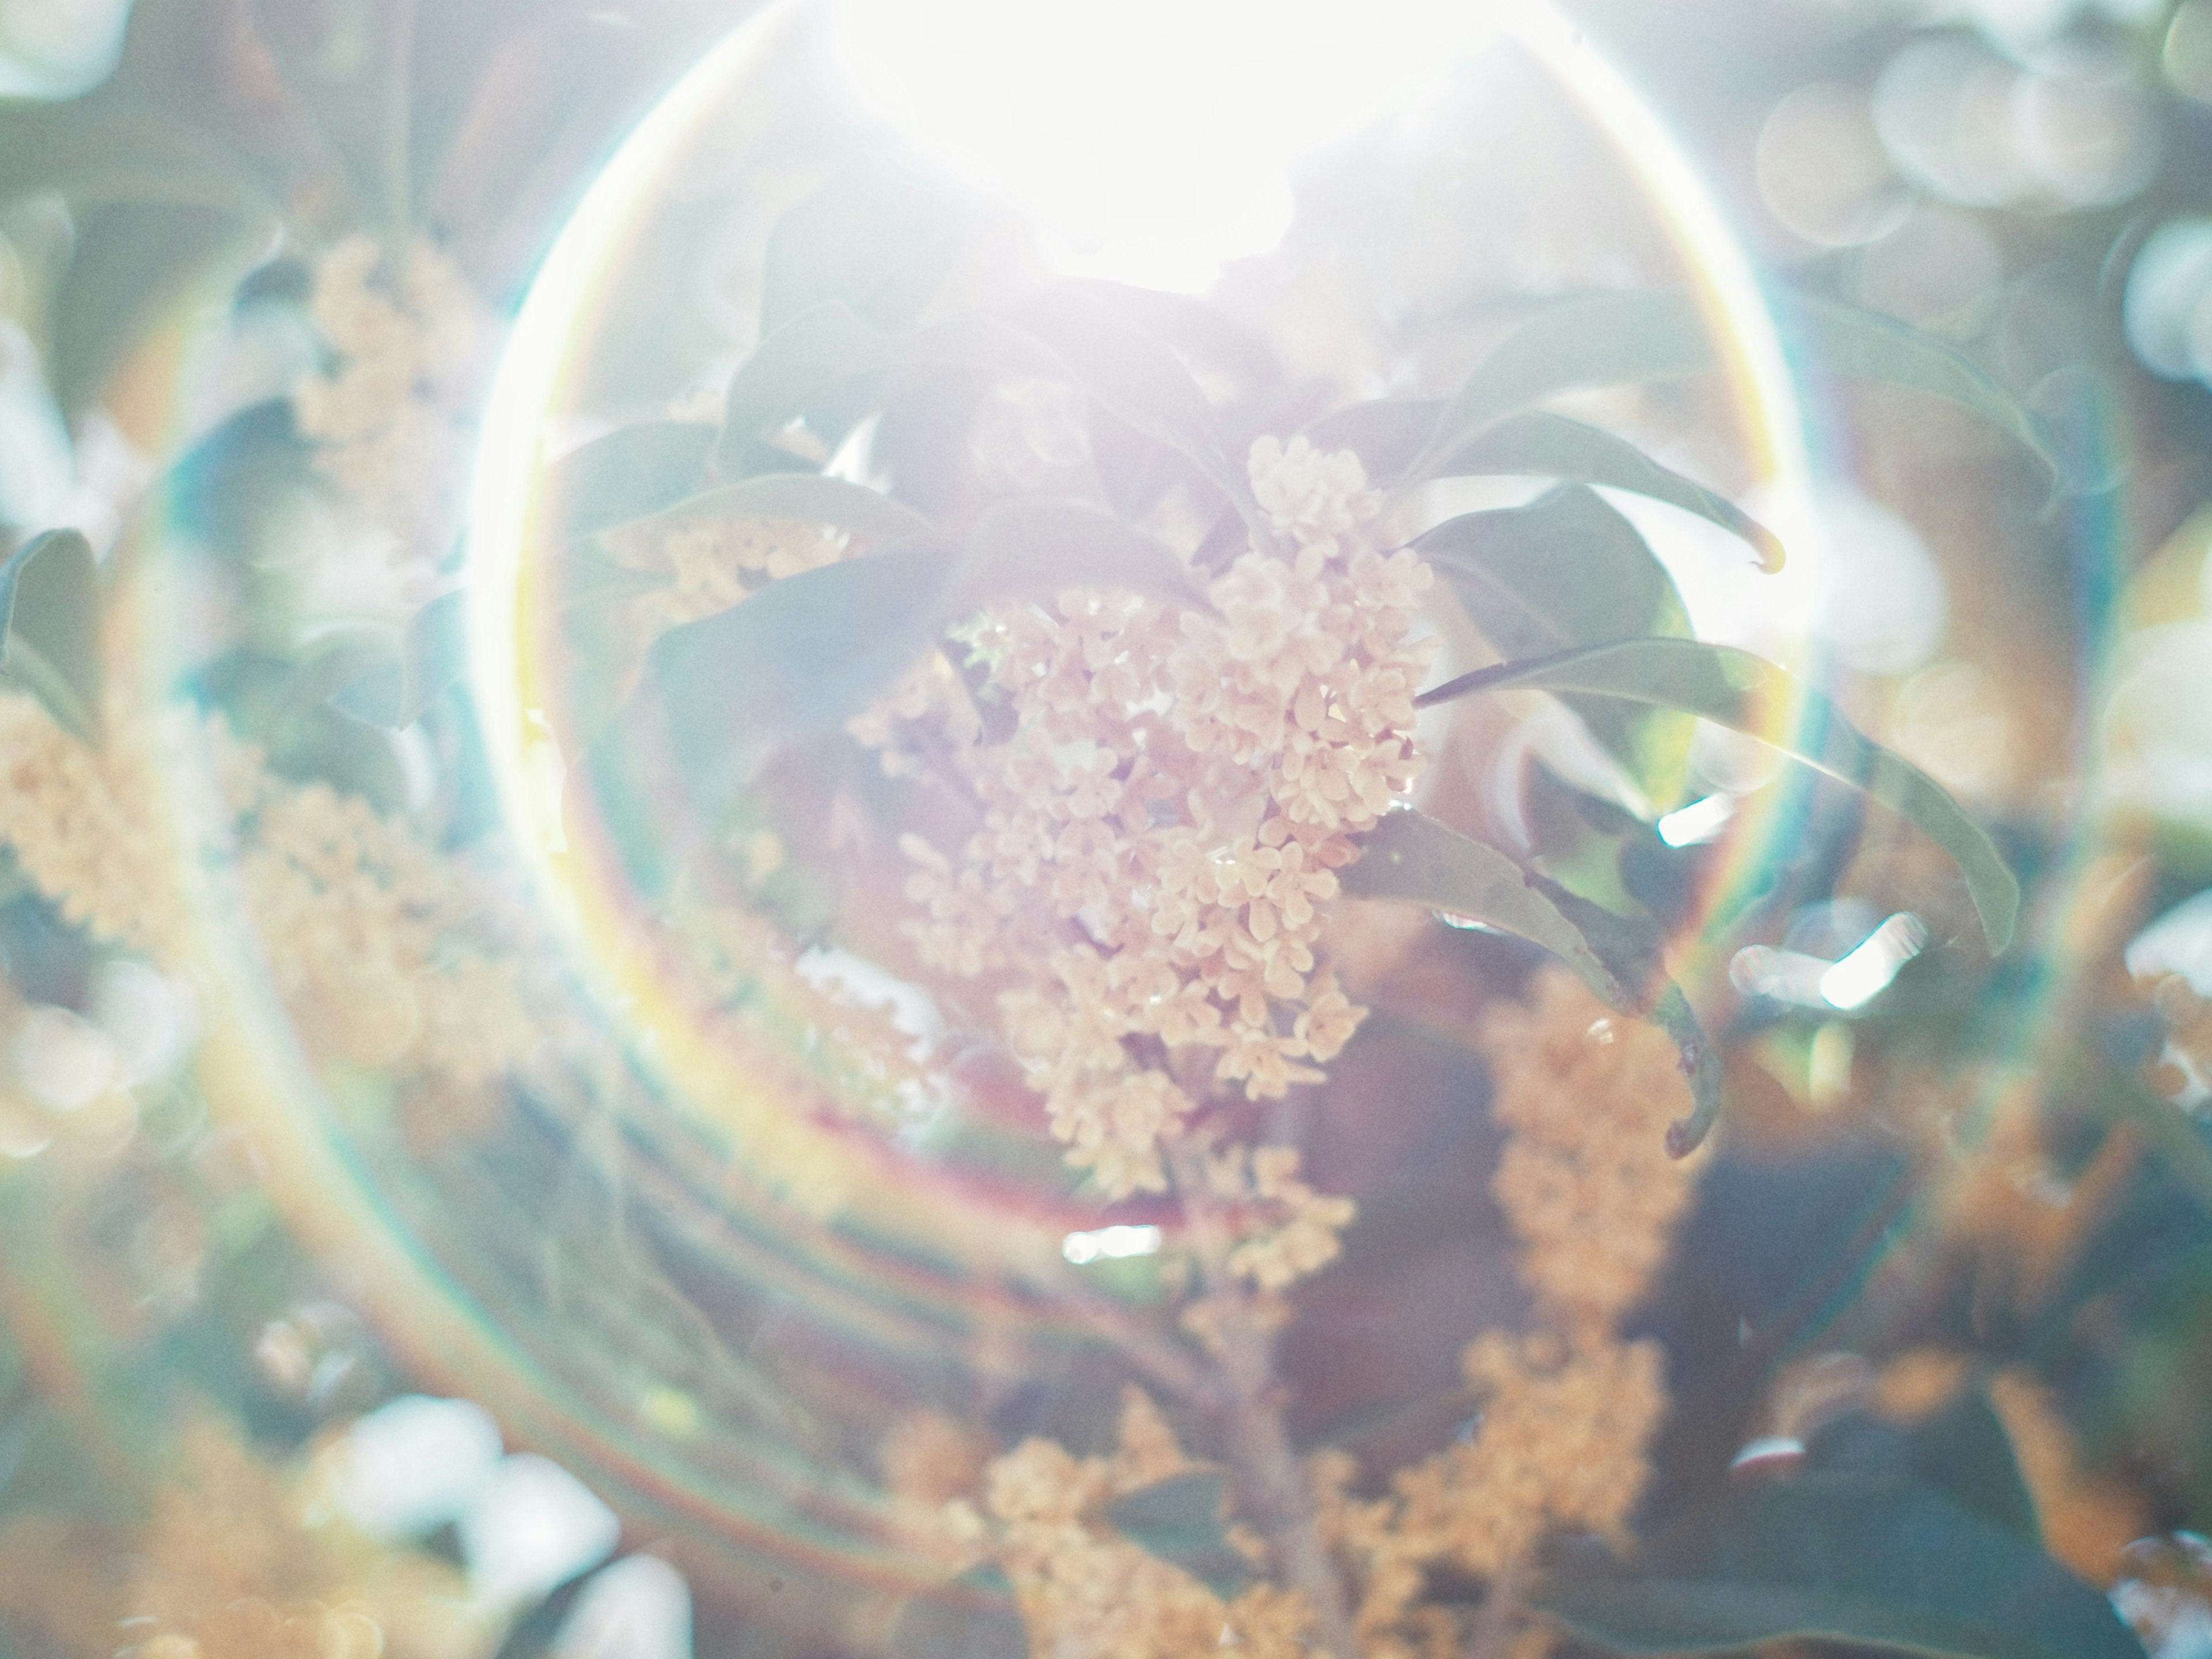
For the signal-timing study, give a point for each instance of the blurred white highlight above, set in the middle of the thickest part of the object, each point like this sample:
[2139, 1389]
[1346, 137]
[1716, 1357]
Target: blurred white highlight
[533, 1527]
[2178, 942]
[1150, 141]
[1700, 820]
[1110, 1243]
[1810, 982]
[638, 1608]
[1866, 972]
[413, 1464]
[59, 48]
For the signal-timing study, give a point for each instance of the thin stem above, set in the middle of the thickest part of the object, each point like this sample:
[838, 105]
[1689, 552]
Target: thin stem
[1275, 1486]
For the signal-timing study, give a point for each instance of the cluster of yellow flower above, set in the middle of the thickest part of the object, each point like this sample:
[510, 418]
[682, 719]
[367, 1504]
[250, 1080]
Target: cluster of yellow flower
[1084, 1588]
[1284, 1230]
[707, 565]
[1566, 1409]
[228, 1564]
[1159, 832]
[389, 416]
[86, 826]
[369, 934]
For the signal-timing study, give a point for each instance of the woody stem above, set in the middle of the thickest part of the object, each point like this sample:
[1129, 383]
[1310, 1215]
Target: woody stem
[1274, 1489]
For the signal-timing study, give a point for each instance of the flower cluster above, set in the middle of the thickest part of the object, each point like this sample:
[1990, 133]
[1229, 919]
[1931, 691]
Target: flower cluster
[86, 826]
[370, 936]
[706, 565]
[367, 931]
[1585, 1179]
[1159, 835]
[1084, 1589]
[1285, 1230]
[228, 1564]
[1567, 1409]
[389, 416]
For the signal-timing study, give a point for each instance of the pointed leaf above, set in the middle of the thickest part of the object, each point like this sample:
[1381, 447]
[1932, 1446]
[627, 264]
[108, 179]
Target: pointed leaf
[1538, 443]
[1139, 380]
[1410, 857]
[1179, 1520]
[1386, 434]
[799, 658]
[874, 236]
[132, 260]
[1844, 1558]
[1041, 545]
[811, 498]
[628, 474]
[820, 347]
[1569, 571]
[828, 346]
[433, 655]
[50, 607]
[1618, 339]
[1737, 689]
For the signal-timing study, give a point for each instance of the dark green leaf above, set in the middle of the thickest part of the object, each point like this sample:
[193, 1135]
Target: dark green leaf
[1961, 1450]
[132, 258]
[971, 1618]
[628, 474]
[827, 346]
[874, 237]
[1539, 445]
[810, 497]
[1386, 434]
[1565, 572]
[50, 606]
[433, 656]
[1041, 545]
[1844, 1558]
[797, 659]
[1411, 858]
[1616, 339]
[1634, 955]
[1180, 1521]
[1750, 695]
[1137, 378]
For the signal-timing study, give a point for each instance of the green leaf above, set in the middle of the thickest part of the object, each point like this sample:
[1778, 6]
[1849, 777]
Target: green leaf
[809, 497]
[433, 655]
[131, 259]
[1537, 444]
[1879, 1563]
[799, 658]
[625, 475]
[828, 346]
[1737, 689]
[1041, 545]
[1563, 573]
[971, 1618]
[50, 607]
[1179, 1520]
[1618, 339]
[1386, 434]
[1136, 378]
[874, 237]
[1411, 858]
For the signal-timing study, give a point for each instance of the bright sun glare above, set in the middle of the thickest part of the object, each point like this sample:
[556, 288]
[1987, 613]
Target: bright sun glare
[1150, 141]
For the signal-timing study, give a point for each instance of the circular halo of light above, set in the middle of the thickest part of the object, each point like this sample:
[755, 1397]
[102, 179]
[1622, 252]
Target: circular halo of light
[508, 678]
[512, 678]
